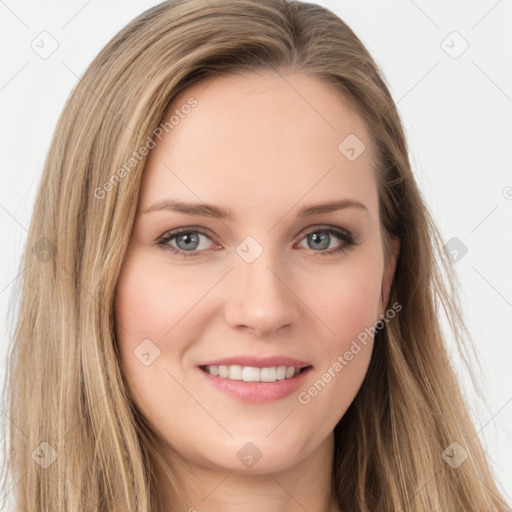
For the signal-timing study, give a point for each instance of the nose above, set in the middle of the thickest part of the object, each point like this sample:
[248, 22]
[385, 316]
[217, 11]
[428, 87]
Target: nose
[260, 297]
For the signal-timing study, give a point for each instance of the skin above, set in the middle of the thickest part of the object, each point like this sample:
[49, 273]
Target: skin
[263, 145]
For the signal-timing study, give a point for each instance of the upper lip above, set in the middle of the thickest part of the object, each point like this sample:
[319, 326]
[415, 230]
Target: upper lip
[258, 362]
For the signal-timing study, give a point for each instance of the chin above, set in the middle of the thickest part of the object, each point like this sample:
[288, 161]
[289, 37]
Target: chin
[259, 455]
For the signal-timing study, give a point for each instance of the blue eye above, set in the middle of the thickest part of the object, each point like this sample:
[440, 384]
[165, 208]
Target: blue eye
[187, 241]
[320, 238]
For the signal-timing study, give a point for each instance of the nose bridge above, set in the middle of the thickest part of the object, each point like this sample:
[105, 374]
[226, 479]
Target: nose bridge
[258, 296]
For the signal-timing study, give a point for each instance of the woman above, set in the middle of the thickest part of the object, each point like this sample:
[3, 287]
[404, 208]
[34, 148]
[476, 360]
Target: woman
[232, 287]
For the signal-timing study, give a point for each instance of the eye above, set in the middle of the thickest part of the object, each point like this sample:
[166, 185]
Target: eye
[319, 239]
[185, 241]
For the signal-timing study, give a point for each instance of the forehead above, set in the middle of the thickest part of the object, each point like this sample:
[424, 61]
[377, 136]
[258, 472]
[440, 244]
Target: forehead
[252, 138]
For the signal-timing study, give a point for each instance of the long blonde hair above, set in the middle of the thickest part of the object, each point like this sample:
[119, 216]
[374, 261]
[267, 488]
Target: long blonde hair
[76, 442]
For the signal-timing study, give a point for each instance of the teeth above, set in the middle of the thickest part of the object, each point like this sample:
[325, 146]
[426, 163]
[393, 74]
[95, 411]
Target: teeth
[252, 374]
[281, 372]
[235, 372]
[270, 374]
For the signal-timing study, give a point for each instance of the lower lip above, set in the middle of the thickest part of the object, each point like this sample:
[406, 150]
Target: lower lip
[257, 392]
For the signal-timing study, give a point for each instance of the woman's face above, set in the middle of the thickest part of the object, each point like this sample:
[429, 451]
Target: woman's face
[263, 275]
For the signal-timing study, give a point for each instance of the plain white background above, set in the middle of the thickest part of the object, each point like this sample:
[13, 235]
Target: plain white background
[448, 66]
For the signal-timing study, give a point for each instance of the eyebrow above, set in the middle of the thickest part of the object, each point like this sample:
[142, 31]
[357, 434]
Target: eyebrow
[209, 210]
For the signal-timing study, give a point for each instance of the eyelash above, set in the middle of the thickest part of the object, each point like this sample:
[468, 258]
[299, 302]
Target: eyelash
[350, 240]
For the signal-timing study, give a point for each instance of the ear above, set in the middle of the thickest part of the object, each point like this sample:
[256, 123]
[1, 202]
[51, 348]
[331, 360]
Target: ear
[389, 273]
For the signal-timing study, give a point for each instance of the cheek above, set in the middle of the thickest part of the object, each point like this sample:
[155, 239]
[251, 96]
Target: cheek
[151, 301]
[148, 304]
[345, 300]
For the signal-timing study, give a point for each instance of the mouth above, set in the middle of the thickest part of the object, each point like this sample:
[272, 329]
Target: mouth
[256, 381]
[254, 374]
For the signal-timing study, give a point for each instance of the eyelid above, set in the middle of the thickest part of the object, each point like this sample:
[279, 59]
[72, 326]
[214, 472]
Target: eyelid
[186, 229]
[325, 227]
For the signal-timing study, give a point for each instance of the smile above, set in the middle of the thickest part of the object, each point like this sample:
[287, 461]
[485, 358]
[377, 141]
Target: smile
[253, 384]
